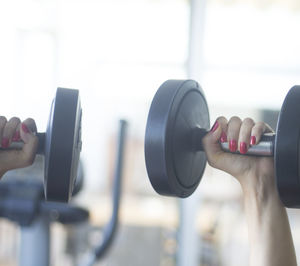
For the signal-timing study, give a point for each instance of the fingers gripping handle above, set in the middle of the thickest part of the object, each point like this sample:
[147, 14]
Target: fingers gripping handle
[18, 145]
[264, 148]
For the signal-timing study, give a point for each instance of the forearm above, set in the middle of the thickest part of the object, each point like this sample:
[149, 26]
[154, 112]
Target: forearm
[271, 242]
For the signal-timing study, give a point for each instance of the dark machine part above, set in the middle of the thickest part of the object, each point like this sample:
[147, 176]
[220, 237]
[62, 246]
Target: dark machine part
[173, 166]
[110, 229]
[178, 120]
[60, 145]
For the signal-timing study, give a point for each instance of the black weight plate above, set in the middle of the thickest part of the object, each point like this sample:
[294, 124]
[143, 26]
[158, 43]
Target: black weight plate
[287, 150]
[62, 145]
[174, 167]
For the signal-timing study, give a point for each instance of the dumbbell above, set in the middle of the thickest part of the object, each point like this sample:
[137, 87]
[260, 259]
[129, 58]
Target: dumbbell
[60, 145]
[178, 119]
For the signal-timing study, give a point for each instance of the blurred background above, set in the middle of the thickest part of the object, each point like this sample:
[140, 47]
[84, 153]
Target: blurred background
[244, 53]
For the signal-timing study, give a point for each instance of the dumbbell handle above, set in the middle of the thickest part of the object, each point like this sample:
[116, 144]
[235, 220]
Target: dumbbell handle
[264, 148]
[18, 145]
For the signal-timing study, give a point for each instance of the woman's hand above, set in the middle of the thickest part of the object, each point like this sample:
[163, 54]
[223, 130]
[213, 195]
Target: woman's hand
[253, 173]
[14, 130]
[268, 226]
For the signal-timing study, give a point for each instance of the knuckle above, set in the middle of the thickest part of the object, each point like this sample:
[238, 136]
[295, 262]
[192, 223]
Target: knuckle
[221, 118]
[30, 120]
[14, 121]
[222, 121]
[235, 119]
[30, 123]
[260, 126]
[3, 119]
[248, 121]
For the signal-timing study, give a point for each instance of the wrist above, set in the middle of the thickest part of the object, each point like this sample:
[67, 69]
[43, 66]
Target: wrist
[260, 189]
[261, 203]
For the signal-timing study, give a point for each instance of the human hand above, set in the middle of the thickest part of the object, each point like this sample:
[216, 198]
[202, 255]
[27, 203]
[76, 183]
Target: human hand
[255, 174]
[14, 130]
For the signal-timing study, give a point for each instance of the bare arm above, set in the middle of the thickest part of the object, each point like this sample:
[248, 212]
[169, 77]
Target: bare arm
[271, 242]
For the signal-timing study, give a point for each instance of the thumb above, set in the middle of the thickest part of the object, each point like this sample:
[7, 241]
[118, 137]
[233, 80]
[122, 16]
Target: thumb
[211, 142]
[212, 138]
[28, 152]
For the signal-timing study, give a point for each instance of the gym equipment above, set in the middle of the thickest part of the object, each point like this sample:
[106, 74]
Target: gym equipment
[109, 231]
[179, 118]
[22, 201]
[60, 145]
[174, 168]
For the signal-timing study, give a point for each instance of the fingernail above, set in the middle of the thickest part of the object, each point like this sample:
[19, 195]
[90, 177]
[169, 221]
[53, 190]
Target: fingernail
[5, 143]
[223, 137]
[232, 145]
[253, 140]
[16, 136]
[243, 147]
[215, 126]
[25, 128]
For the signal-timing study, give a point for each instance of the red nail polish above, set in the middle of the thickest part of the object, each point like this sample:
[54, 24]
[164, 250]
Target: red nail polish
[253, 140]
[16, 136]
[25, 128]
[232, 145]
[223, 137]
[5, 143]
[243, 147]
[215, 126]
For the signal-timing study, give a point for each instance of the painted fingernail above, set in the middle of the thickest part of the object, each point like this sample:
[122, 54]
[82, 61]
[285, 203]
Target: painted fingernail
[253, 140]
[232, 145]
[5, 143]
[25, 128]
[16, 136]
[223, 137]
[243, 147]
[215, 126]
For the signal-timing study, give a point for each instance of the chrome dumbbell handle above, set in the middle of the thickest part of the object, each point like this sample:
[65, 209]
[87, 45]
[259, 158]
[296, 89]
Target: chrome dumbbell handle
[265, 147]
[18, 145]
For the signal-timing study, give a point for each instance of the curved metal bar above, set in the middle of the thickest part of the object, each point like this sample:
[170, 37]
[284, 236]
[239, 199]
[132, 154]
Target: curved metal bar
[111, 228]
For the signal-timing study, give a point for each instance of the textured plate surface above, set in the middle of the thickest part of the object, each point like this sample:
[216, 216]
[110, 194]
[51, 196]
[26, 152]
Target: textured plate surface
[174, 166]
[62, 145]
[287, 150]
